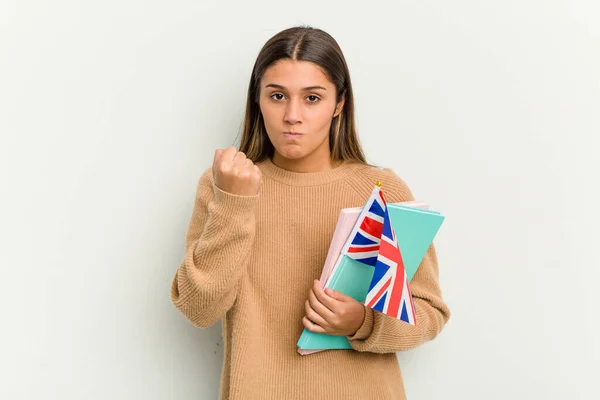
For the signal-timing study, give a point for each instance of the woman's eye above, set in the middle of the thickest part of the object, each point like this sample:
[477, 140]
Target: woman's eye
[277, 96]
[313, 98]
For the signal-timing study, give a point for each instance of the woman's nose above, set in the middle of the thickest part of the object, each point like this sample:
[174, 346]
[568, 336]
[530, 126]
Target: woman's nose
[293, 112]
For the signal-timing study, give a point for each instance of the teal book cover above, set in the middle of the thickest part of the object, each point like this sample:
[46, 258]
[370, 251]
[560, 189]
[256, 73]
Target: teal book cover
[415, 230]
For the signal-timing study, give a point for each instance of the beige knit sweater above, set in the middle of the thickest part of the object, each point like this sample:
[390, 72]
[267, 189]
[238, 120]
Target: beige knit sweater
[250, 261]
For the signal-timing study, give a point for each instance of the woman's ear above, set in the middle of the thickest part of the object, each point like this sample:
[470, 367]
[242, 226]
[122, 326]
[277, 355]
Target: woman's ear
[339, 107]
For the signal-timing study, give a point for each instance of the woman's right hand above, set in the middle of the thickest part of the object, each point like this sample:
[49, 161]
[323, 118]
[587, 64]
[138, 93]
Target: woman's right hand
[234, 173]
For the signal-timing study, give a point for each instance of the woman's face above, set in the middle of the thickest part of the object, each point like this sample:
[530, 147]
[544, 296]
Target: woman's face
[298, 103]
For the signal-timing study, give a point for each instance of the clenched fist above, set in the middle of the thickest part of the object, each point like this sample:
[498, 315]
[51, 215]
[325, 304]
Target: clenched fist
[236, 174]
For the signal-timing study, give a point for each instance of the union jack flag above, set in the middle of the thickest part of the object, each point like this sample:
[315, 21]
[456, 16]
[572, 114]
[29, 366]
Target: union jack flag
[373, 242]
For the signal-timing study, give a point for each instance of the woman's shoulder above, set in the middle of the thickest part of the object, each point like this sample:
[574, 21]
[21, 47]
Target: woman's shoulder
[394, 187]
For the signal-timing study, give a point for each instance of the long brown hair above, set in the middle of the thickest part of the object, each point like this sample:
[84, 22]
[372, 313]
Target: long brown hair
[303, 44]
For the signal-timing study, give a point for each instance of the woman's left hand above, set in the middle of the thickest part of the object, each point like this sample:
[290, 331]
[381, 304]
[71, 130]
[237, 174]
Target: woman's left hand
[331, 312]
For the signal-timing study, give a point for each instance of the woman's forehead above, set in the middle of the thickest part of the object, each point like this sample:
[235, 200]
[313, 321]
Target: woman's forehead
[296, 75]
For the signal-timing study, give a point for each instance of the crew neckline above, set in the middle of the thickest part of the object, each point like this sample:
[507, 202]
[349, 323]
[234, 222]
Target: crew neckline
[292, 178]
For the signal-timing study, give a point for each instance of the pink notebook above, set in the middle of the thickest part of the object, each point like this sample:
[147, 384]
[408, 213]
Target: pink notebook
[346, 221]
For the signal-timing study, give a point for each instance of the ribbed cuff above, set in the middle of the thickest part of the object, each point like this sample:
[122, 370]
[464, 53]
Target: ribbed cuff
[232, 201]
[366, 328]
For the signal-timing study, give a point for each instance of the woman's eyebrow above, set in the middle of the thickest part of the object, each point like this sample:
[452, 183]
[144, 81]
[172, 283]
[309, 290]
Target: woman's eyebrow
[306, 89]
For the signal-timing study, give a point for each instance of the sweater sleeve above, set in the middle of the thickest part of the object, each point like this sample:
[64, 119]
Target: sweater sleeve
[381, 333]
[217, 250]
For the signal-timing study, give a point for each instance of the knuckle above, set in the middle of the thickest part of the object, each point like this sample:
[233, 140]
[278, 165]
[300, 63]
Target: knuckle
[222, 168]
[315, 298]
[336, 321]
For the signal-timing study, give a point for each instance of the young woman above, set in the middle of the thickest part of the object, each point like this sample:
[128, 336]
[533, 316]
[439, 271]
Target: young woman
[260, 231]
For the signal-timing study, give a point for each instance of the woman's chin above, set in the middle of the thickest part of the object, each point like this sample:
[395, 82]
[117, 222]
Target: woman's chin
[292, 152]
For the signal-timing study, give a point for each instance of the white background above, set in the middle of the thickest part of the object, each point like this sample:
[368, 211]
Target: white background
[110, 111]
